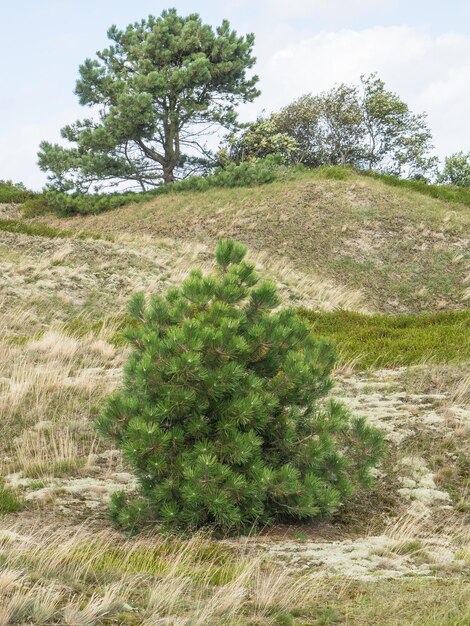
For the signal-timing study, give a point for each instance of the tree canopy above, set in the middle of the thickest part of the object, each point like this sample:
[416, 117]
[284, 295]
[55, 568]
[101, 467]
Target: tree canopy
[456, 170]
[260, 139]
[156, 91]
[365, 126]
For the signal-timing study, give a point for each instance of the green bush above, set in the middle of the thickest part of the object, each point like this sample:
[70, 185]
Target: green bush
[219, 413]
[16, 193]
[257, 172]
[245, 174]
[394, 340]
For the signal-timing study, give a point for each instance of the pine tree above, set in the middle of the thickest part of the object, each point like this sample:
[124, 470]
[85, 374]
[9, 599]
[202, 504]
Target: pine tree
[221, 411]
[158, 91]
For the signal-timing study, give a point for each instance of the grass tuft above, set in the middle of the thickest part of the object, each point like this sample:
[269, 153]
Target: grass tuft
[10, 502]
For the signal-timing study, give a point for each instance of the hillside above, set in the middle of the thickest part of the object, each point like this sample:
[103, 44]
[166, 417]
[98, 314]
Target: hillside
[329, 243]
[381, 248]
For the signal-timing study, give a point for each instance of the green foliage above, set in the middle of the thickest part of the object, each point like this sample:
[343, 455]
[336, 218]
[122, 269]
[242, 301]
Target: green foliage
[256, 172]
[219, 413]
[35, 206]
[161, 86]
[368, 128]
[301, 120]
[259, 140]
[16, 193]
[9, 500]
[456, 170]
[393, 341]
[396, 141]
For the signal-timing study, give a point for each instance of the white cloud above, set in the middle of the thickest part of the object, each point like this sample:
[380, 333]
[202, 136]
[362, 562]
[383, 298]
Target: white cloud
[293, 9]
[308, 8]
[431, 73]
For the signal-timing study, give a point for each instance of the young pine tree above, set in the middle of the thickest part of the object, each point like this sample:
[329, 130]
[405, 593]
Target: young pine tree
[219, 413]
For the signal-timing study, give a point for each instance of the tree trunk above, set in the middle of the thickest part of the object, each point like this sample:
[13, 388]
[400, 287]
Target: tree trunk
[168, 175]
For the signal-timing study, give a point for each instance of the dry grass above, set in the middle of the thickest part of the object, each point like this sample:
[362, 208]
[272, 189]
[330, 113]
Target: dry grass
[52, 377]
[86, 578]
[451, 379]
[51, 452]
[58, 363]
[403, 251]
[460, 391]
[51, 282]
[447, 451]
[416, 538]
[50, 390]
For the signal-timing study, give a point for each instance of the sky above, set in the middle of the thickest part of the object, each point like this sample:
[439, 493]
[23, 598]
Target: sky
[421, 48]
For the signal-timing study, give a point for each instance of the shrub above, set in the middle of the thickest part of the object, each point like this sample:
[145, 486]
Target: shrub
[219, 411]
[16, 193]
[256, 172]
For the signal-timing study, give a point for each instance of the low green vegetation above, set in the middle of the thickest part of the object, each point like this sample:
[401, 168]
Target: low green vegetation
[14, 193]
[447, 193]
[10, 501]
[393, 341]
[42, 230]
[246, 174]
[361, 340]
[23, 228]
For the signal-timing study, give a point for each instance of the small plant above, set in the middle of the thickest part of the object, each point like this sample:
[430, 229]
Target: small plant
[9, 500]
[39, 230]
[220, 415]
